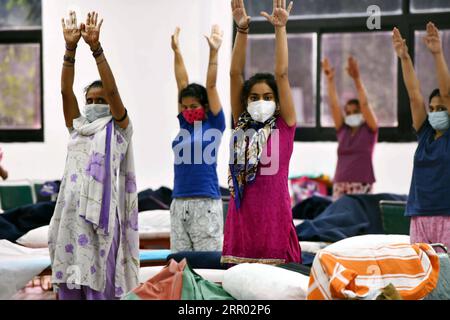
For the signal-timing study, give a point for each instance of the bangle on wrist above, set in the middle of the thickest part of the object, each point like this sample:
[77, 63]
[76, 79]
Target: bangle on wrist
[124, 116]
[97, 52]
[243, 30]
[69, 59]
[68, 48]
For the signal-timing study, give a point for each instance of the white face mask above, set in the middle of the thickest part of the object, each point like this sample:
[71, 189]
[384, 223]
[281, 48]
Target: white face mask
[354, 120]
[261, 110]
[93, 112]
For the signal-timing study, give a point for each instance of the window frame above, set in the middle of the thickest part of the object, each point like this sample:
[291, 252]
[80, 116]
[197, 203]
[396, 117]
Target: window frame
[406, 22]
[25, 36]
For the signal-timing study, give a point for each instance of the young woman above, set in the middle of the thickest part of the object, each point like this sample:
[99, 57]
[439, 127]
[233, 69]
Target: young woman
[196, 210]
[357, 134]
[93, 234]
[259, 224]
[428, 200]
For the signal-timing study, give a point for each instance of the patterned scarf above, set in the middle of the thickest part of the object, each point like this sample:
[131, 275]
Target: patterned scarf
[247, 146]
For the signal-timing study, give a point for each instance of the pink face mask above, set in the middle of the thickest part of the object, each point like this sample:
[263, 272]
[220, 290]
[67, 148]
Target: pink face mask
[192, 115]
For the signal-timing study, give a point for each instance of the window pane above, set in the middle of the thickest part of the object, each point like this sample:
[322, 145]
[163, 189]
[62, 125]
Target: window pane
[424, 62]
[20, 14]
[418, 6]
[326, 8]
[378, 69]
[20, 86]
[302, 69]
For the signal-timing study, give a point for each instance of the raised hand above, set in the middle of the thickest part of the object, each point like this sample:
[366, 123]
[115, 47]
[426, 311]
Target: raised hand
[353, 68]
[432, 39]
[71, 31]
[175, 43]
[399, 44]
[240, 16]
[327, 69]
[215, 39]
[90, 31]
[280, 14]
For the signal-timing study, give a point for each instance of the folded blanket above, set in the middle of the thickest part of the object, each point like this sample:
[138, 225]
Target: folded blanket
[348, 273]
[351, 215]
[14, 223]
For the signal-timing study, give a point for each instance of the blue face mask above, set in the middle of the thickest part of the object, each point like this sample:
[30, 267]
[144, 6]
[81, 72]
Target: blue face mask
[439, 120]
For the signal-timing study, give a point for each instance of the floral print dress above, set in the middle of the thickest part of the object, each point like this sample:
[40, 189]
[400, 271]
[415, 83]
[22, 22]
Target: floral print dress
[77, 250]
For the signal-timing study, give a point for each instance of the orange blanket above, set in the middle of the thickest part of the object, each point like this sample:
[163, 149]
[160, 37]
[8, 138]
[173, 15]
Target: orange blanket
[346, 273]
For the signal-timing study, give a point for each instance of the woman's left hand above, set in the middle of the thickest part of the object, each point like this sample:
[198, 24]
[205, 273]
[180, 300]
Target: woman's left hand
[91, 30]
[280, 13]
[432, 39]
[215, 39]
[352, 68]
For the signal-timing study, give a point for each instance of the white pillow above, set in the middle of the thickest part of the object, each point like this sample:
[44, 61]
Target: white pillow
[313, 246]
[369, 241]
[36, 238]
[154, 220]
[255, 281]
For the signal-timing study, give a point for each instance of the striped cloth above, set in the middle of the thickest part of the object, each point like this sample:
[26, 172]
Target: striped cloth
[349, 273]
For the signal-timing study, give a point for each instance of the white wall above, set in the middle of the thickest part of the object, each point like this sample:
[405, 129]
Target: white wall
[136, 38]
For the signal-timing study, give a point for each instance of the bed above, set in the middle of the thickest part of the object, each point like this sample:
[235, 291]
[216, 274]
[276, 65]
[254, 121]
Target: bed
[154, 232]
[19, 265]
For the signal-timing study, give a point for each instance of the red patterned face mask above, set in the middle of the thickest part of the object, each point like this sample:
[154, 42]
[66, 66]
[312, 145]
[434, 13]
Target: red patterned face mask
[192, 115]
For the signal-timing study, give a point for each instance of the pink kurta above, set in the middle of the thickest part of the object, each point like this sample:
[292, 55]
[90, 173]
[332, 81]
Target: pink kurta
[262, 229]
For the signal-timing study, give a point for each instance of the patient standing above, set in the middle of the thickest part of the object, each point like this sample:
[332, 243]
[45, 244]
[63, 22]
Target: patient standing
[429, 197]
[357, 134]
[93, 234]
[196, 212]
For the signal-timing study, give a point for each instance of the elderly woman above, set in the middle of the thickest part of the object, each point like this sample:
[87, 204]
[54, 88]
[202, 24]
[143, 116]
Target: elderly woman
[93, 235]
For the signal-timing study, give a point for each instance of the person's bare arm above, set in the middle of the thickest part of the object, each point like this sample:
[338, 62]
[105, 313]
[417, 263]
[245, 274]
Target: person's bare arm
[333, 98]
[91, 34]
[279, 18]
[238, 57]
[72, 34]
[366, 110]
[433, 42]
[181, 74]
[418, 111]
[214, 41]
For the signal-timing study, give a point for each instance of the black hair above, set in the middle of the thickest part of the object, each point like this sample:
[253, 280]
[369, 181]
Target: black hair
[95, 84]
[195, 90]
[266, 78]
[434, 93]
[353, 101]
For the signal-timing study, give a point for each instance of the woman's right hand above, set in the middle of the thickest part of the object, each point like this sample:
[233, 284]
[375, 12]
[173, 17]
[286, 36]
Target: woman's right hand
[240, 16]
[327, 69]
[399, 44]
[175, 42]
[71, 30]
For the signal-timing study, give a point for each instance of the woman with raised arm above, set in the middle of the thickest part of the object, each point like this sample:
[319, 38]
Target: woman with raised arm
[259, 225]
[93, 234]
[196, 210]
[428, 202]
[357, 134]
